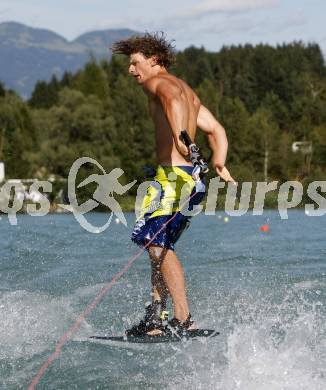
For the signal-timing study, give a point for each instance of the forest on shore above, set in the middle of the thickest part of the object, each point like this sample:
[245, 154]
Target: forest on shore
[266, 98]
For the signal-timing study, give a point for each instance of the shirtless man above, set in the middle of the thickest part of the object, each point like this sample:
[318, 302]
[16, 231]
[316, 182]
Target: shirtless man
[174, 107]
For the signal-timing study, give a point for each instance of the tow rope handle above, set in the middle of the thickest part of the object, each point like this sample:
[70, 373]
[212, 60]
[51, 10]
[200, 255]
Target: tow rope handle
[196, 158]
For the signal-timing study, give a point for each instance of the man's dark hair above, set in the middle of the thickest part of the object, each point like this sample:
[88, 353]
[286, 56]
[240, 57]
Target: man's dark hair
[149, 45]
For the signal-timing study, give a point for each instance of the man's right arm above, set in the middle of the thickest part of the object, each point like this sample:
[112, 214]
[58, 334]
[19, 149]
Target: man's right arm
[217, 140]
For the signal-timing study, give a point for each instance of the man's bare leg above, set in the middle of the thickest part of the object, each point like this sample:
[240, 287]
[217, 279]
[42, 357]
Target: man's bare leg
[172, 275]
[159, 290]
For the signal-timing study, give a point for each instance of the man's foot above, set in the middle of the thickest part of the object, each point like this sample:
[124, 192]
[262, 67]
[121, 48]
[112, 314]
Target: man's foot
[154, 322]
[182, 327]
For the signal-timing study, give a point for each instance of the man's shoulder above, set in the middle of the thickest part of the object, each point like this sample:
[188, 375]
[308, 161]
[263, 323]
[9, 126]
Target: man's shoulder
[158, 82]
[158, 79]
[152, 83]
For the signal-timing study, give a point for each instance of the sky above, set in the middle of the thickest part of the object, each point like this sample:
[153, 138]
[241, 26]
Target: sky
[208, 23]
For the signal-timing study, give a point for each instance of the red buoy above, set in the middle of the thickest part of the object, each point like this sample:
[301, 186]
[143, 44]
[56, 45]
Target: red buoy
[264, 228]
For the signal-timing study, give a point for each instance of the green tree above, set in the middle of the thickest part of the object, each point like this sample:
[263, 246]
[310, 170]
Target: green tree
[2, 90]
[263, 140]
[135, 131]
[17, 136]
[265, 97]
[77, 126]
[93, 80]
[235, 119]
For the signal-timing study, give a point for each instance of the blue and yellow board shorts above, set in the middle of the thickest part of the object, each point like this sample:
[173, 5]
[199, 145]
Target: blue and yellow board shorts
[171, 189]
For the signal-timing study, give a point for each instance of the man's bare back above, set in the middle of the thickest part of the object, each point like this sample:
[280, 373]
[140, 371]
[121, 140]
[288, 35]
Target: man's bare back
[166, 150]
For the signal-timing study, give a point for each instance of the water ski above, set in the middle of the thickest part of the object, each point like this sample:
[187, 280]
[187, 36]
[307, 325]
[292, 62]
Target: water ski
[194, 334]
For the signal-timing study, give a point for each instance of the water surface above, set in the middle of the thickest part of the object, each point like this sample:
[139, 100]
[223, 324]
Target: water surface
[265, 293]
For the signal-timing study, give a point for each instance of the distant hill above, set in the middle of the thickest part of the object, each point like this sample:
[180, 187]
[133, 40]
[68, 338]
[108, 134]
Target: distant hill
[30, 54]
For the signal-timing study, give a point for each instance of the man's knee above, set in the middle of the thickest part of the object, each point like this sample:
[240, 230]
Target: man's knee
[156, 253]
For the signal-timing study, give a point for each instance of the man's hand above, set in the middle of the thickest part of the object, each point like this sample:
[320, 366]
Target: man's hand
[198, 162]
[182, 148]
[225, 174]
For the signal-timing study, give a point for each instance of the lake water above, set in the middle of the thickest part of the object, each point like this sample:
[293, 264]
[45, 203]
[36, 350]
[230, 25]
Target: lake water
[264, 291]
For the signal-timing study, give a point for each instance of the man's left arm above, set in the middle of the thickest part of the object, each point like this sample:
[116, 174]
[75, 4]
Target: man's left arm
[217, 141]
